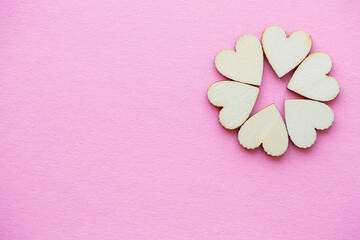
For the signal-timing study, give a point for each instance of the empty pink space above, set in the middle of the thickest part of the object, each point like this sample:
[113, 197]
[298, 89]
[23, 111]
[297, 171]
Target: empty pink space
[106, 131]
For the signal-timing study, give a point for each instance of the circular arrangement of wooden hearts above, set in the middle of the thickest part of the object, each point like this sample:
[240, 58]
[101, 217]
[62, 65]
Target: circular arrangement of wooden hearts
[244, 68]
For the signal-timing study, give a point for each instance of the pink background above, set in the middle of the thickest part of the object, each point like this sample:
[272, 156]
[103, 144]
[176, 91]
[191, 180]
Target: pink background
[106, 131]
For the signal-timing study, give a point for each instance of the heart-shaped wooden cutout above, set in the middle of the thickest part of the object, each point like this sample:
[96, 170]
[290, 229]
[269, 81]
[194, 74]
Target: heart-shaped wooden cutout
[310, 79]
[237, 100]
[283, 53]
[246, 64]
[303, 117]
[266, 127]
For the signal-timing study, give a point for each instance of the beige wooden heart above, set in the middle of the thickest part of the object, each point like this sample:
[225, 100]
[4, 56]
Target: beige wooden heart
[285, 53]
[266, 127]
[246, 64]
[303, 117]
[310, 79]
[237, 100]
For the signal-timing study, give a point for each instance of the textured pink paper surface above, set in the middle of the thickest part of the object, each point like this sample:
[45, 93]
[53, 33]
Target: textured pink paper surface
[106, 131]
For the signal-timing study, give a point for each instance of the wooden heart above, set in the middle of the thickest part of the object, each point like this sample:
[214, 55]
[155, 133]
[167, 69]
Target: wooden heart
[246, 64]
[266, 127]
[303, 117]
[283, 53]
[310, 79]
[237, 100]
